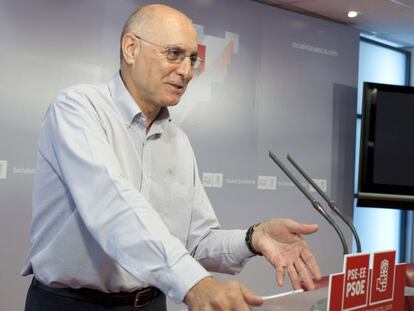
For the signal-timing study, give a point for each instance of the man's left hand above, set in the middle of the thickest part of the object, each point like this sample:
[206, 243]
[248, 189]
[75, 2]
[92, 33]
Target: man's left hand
[281, 243]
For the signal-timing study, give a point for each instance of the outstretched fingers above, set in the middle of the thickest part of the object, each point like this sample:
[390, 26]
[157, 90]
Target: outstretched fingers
[311, 263]
[304, 275]
[294, 276]
[280, 275]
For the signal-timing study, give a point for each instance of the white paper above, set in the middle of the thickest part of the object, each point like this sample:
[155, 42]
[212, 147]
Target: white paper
[266, 298]
[295, 301]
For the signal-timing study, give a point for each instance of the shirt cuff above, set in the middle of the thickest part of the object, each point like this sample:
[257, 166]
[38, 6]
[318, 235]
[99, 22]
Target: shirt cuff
[239, 247]
[180, 278]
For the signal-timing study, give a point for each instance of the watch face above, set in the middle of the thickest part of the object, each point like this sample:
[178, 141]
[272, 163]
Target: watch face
[248, 239]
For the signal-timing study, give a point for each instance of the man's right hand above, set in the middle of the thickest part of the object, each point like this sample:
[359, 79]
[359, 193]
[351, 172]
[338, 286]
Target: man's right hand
[210, 294]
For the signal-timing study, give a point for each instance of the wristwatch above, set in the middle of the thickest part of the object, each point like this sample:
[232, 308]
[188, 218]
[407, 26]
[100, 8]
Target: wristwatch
[249, 237]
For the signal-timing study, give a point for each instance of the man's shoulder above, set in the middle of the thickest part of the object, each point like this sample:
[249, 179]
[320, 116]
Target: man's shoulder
[84, 91]
[92, 97]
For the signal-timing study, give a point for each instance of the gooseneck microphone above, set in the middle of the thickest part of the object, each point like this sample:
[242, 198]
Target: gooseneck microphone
[331, 203]
[312, 200]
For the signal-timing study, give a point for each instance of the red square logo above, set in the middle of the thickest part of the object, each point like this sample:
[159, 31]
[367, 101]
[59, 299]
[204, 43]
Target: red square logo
[356, 280]
[382, 282]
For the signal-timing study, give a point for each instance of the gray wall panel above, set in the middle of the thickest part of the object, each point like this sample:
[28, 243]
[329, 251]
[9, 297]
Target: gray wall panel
[289, 84]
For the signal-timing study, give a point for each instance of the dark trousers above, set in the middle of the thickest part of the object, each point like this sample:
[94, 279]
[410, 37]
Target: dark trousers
[39, 299]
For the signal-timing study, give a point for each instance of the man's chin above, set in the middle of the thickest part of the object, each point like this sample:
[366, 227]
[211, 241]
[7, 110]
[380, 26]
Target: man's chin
[171, 103]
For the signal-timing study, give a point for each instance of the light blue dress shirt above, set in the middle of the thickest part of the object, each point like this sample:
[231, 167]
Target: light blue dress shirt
[116, 208]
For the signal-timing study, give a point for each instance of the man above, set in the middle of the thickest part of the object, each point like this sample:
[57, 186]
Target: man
[120, 218]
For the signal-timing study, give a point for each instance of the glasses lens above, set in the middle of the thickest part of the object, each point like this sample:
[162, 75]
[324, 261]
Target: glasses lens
[175, 54]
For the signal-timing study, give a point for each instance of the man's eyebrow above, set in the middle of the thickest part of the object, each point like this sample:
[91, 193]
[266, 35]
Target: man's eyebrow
[178, 47]
[174, 46]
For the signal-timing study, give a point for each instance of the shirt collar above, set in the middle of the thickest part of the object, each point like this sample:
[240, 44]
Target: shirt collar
[129, 109]
[123, 100]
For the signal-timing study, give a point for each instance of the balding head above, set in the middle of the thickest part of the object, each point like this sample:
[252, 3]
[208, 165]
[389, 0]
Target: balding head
[149, 20]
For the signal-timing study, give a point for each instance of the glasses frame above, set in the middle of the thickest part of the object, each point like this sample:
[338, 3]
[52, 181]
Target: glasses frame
[167, 51]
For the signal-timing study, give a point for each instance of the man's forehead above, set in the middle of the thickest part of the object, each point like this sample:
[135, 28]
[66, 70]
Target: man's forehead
[184, 37]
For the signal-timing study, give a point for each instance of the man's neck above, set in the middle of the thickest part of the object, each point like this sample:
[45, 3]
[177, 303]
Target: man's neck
[150, 111]
[150, 115]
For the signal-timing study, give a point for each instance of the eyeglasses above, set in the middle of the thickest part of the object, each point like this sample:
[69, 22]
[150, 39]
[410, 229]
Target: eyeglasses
[175, 54]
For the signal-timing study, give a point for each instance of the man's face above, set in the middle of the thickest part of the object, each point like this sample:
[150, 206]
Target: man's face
[158, 81]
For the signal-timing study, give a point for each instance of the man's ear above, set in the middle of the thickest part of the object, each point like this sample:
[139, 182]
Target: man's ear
[130, 48]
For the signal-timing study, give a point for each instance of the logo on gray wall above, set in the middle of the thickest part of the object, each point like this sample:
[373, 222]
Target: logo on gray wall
[212, 180]
[266, 182]
[314, 49]
[3, 169]
[322, 183]
[23, 170]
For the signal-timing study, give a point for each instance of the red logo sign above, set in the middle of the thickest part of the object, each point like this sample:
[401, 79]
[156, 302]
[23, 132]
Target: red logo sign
[382, 282]
[356, 281]
[361, 288]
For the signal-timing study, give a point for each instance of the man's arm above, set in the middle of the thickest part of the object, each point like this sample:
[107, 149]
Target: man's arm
[279, 240]
[217, 250]
[281, 243]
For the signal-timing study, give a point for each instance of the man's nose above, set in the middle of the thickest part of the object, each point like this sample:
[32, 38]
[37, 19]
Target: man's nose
[185, 69]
